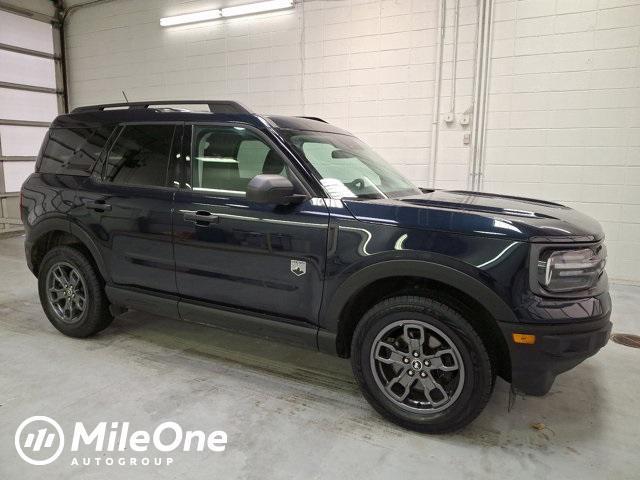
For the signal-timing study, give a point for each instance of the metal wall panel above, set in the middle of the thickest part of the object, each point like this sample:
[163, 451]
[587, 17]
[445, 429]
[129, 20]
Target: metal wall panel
[16, 172]
[25, 105]
[26, 33]
[29, 100]
[16, 141]
[27, 69]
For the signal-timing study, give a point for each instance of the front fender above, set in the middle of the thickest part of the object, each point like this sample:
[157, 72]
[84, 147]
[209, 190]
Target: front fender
[330, 315]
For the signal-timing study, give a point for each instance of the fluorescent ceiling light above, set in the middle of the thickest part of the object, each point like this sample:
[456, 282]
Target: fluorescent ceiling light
[248, 9]
[190, 18]
[258, 7]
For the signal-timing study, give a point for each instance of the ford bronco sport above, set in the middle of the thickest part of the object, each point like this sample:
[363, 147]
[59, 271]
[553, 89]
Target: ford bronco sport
[290, 227]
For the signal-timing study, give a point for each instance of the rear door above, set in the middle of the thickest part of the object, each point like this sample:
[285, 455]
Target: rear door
[231, 252]
[126, 206]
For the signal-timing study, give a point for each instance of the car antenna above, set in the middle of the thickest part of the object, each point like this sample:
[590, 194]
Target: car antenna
[125, 96]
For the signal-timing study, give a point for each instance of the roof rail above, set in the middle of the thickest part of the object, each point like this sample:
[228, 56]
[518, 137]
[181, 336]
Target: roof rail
[314, 118]
[215, 106]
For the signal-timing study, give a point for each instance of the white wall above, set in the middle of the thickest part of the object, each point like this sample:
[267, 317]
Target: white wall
[564, 121]
[368, 65]
[564, 103]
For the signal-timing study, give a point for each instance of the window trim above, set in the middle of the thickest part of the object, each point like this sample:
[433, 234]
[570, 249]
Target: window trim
[189, 127]
[117, 132]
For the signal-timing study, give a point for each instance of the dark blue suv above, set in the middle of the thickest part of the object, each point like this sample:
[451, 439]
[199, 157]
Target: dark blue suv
[292, 228]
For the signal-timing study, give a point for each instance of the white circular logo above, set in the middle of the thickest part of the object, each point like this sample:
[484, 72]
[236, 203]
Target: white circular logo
[39, 440]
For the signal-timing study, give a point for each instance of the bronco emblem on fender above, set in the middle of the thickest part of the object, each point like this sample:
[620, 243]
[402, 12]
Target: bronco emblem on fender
[298, 267]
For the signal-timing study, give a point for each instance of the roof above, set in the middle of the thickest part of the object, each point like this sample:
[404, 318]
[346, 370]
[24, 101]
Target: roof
[174, 111]
[215, 106]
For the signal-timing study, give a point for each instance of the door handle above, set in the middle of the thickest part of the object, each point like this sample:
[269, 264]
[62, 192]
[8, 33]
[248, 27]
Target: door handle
[200, 217]
[98, 205]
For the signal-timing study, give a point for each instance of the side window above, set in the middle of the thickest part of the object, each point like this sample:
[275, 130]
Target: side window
[140, 156]
[73, 151]
[225, 159]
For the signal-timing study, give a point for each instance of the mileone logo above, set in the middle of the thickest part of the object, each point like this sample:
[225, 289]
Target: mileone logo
[40, 440]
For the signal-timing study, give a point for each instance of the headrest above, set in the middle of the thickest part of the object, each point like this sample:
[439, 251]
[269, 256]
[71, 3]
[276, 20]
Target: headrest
[222, 145]
[273, 163]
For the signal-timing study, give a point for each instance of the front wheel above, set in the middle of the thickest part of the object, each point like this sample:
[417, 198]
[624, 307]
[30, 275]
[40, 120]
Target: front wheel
[72, 293]
[420, 364]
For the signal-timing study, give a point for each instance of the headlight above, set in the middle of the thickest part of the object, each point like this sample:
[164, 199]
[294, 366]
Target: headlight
[571, 270]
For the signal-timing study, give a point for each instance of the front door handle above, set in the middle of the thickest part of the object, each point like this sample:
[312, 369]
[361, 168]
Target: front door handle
[200, 217]
[98, 205]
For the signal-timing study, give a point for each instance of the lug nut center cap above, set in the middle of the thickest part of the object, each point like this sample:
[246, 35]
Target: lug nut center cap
[416, 364]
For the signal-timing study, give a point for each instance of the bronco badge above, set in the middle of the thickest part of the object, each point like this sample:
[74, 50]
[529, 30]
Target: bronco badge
[298, 267]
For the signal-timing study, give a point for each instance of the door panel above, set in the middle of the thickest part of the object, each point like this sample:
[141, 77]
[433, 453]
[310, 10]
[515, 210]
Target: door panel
[134, 234]
[244, 257]
[236, 253]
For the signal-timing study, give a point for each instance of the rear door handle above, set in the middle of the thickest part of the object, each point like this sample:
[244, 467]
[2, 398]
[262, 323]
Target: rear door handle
[200, 217]
[98, 205]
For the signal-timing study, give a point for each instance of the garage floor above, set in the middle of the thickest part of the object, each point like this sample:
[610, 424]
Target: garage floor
[292, 413]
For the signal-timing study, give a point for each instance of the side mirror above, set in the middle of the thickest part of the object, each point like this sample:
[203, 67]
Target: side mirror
[274, 189]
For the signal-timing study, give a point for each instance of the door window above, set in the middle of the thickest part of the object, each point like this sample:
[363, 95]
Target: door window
[225, 159]
[140, 156]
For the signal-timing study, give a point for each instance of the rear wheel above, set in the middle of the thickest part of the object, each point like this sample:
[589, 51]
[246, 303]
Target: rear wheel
[72, 293]
[421, 364]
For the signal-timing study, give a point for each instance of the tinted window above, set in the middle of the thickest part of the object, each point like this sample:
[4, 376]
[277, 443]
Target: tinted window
[73, 151]
[227, 158]
[140, 155]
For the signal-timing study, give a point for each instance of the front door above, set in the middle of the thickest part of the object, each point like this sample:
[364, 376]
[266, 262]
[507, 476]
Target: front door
[231, 252]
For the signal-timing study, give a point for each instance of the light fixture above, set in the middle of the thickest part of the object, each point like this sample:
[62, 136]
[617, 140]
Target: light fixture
[190, 18]
[258, 7]
[247, 9]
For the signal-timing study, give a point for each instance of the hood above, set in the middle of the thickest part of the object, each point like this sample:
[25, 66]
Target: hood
[479, 213]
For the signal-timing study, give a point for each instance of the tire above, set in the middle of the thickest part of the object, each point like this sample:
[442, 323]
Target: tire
[71, 316]
[388, 335]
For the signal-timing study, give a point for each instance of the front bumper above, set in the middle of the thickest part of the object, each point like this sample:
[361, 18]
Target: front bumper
[557, 348]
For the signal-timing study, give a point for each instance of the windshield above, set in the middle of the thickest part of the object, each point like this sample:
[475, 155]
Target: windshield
[348, 167]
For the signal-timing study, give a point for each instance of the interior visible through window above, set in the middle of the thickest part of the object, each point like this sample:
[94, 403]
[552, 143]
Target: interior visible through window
[225, 159]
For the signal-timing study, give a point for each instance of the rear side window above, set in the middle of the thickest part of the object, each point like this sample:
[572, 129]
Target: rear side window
[73, 151]
[140, 156]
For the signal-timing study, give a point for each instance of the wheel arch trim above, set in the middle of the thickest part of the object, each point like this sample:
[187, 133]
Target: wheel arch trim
[331, 316]
[49, 225]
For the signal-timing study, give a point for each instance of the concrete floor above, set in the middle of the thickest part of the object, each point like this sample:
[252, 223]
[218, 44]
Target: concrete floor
[292, 413]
